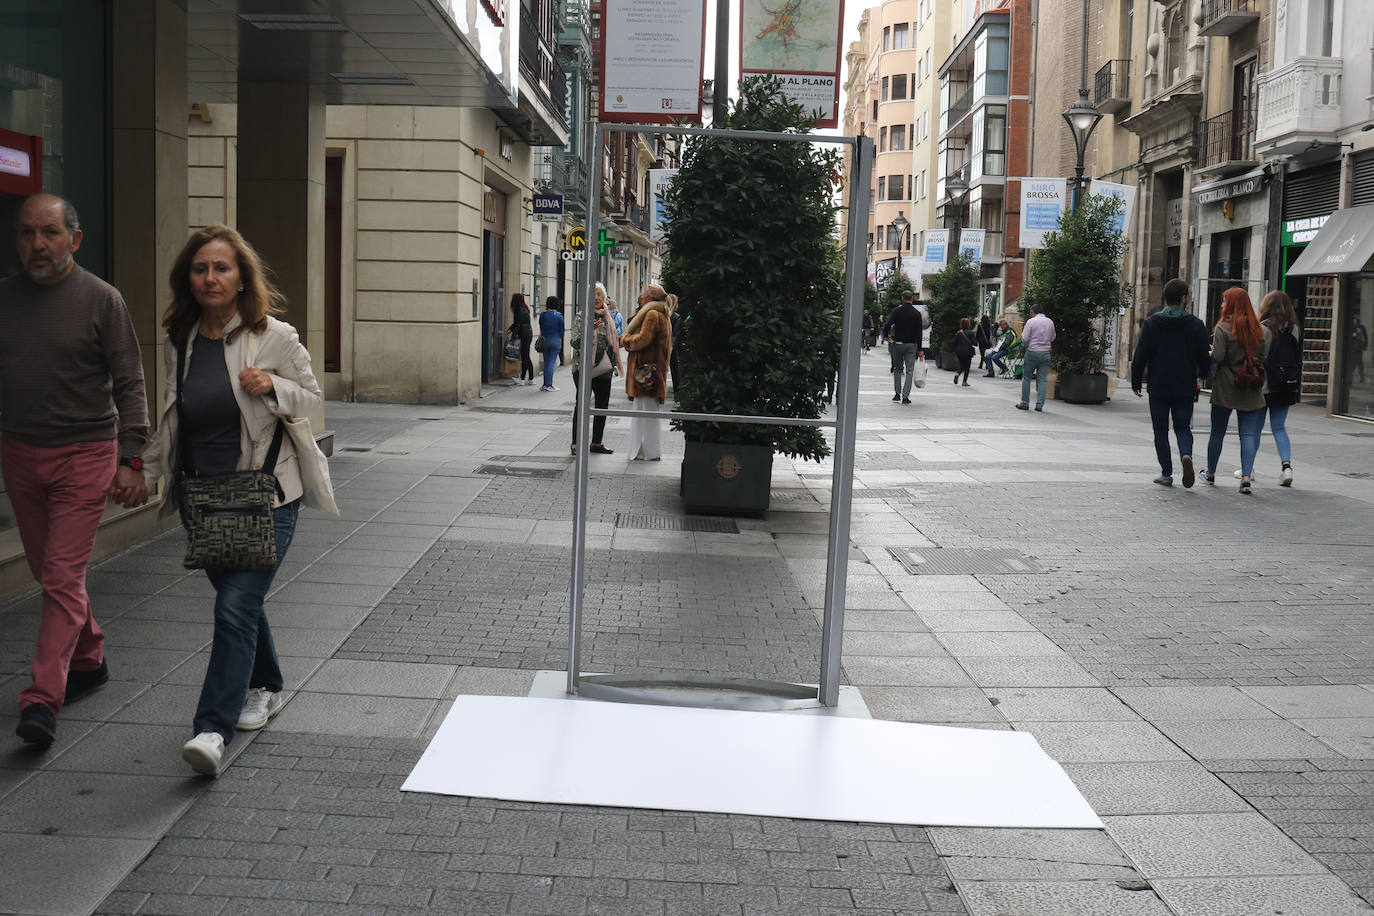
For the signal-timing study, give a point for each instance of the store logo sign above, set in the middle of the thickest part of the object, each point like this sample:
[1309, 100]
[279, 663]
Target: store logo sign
[15, 162]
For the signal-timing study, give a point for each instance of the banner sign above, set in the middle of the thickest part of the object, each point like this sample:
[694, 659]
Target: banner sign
[936, 251]
[658, 214]
[1122, 192]
[883, 271]
[1301, 231]
[652, 54]
[548, 208]
[798, 41]
[1042, 204]
[971, 244]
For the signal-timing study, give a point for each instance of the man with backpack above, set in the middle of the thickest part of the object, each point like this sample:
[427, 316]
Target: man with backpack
[1172, 356]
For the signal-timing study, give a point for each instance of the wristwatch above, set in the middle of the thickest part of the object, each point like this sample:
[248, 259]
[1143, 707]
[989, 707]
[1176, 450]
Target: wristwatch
[134, 462]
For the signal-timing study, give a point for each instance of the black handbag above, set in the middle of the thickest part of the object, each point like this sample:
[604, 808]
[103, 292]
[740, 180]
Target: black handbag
[229, 519]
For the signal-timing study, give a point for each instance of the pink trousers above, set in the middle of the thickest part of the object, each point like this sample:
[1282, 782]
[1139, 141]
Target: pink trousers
[58, 495]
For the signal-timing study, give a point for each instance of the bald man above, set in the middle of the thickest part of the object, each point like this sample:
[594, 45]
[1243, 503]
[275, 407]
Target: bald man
[73, 419]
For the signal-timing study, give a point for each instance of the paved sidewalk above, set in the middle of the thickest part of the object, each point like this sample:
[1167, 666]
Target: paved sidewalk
[1201, 662]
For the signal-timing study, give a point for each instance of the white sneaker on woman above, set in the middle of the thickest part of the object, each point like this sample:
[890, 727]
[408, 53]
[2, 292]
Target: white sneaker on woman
[260, 705]
[204, 753]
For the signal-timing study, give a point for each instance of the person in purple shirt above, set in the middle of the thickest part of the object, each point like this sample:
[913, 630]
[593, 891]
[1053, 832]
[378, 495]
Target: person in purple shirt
[1038, 335]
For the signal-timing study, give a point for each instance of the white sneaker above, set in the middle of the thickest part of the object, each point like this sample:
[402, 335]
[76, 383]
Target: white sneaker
[1286, 480]
[529, 382]
[259, 706]
[204, 752]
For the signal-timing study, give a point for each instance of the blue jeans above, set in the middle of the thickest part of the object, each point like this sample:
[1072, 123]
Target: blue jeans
[999, 359]
[1037, 363]
[551, 362]
[1181, 409]
[1278, 417]
[1248, 425]
[242, 654]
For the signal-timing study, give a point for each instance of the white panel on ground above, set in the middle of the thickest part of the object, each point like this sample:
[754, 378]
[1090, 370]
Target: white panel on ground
[769, 764]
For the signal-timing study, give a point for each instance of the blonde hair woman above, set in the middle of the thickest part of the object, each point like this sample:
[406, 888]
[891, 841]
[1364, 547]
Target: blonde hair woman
[649, 340]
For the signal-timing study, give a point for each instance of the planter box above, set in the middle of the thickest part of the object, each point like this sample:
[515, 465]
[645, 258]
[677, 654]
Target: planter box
[948, 361]
[1082, 389]
[726, 479]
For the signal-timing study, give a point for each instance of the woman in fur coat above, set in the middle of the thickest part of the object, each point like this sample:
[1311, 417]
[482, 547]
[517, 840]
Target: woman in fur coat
[649, 340]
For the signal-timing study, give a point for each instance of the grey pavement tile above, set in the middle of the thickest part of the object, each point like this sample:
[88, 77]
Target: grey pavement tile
[1058, 898]
[979, 854]
[1099, 742]
[66, 804]
[61, 875]
[480, 681]
[1185, 702]
[1262, 739]
[1060, 704]
[1292, 896]
[329, 714]
[144, 665]
[297, 614]
[1314, 701]
[308, 642]
[165, 634]
[1208, 845]
[877, 621]
[929, 704]
[1027, 671]
[1159, 787]
[102, 704]
[12, 776]
[974, 621]
[343, 574]
[1000, 644]
[129, 749]
[331, 594]
[923, 599]
[383, 679]
[161, 704]
[385, 558]
[919, 671]
[892, 644]
[1352, 737]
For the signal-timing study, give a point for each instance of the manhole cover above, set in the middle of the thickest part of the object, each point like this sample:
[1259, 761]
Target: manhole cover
[506, 470]
[955, 562]
[645, 522]
[792, 496]
[883, 493]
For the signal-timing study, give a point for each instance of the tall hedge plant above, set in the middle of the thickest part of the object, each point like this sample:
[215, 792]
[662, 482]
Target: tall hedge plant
[953, 295]
[752, 259]
[1076, 281]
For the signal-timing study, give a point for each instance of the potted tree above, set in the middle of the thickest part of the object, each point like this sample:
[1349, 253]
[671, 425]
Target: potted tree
[759, 276]
[1076, 280]
[953, 295]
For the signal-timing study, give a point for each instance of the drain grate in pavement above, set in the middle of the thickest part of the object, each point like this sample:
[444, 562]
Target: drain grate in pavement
[959, 562]
[1357, 475]
[551, 411]
[520, 466]
[883, 493]
[792, 496]
[644, 522]
[356, 448]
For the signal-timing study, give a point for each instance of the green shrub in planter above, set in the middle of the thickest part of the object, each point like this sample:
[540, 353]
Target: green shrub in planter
[758, 273]
[952, 295]
[1076, 281]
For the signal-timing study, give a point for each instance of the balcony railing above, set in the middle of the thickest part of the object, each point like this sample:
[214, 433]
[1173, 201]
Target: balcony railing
[1113, 86]
[537, 62]
[956, 111]
[1298, 103]
[1228, 140]
[992, 245]
[1227, 17]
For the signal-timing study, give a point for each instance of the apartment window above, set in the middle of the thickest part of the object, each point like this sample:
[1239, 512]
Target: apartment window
[898, 136]
[894, 187]
[882, 187]
[887, 39]
[882, 139]
[995, 141]
[875, 109]
[901, 37]
[883, 95]
[923, 184]
[899, 87]
[925, 124]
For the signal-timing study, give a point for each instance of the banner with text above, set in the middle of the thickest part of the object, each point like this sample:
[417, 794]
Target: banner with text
[971, 245]
[1122, 192]
[936, 251]
[658, 215]
[1042, 204]
[652, 54]
[798, 41]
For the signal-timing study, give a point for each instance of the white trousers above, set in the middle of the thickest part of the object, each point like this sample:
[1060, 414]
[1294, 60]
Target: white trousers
[646, 435]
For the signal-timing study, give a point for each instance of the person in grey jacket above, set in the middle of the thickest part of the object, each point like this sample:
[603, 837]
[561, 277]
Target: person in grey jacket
[245, 372]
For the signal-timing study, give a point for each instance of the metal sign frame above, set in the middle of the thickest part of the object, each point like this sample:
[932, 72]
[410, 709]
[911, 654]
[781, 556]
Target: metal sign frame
[732, 693]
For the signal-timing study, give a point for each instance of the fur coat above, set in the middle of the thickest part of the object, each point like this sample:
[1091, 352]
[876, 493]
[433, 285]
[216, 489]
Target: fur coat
[649, 340]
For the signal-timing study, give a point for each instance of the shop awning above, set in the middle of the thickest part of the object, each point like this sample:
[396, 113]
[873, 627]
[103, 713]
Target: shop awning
[1343, 245]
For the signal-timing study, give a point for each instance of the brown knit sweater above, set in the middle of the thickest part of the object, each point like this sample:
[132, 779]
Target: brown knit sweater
[649, 339]
[70, 365]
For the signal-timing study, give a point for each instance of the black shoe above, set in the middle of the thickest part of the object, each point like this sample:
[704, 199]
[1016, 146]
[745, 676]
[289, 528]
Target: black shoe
[83, 683]
[896, 397]
[906, 400]
[602, 450]
[37, 725]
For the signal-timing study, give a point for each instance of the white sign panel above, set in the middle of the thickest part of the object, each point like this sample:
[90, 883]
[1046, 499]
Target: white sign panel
[1042, 204]
[658, 215]
[971, 244]
[799, 42]
[492, 28]
[936, 251]
[651, 60]
[15, 162]
[1122, 192]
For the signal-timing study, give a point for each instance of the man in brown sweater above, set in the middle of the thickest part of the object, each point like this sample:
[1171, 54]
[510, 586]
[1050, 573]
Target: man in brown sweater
[73, 419]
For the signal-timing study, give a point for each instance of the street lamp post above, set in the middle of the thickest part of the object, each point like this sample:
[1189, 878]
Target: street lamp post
[899, 226]
[1082, 116]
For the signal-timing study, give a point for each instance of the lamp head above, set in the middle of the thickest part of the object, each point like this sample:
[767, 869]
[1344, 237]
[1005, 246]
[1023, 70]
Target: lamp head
[955, 185]
[1082, 116]
[900, 223]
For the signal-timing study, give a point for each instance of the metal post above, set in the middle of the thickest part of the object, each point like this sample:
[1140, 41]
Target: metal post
[592, 251]
[720, 97]
[847, 411]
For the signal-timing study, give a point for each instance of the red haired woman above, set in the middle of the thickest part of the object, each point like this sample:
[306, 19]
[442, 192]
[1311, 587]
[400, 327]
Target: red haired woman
[1237, 337]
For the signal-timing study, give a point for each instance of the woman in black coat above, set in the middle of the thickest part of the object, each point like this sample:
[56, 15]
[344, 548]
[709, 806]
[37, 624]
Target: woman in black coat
[522, 327]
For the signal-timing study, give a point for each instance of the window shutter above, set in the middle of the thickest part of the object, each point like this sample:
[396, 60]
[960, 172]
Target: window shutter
[1313, 192]
[1363, 190]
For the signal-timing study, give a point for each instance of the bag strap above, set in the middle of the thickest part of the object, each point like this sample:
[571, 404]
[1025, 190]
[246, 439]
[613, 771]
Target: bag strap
[269, 464]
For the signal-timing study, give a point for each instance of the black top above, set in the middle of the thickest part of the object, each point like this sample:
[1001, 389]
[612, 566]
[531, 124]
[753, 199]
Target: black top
[520, 327]
[1172, 354]
[209, 413]
[905, 324]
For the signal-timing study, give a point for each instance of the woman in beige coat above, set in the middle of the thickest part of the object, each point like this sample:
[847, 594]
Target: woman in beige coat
[649, 340]
[244, 373]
